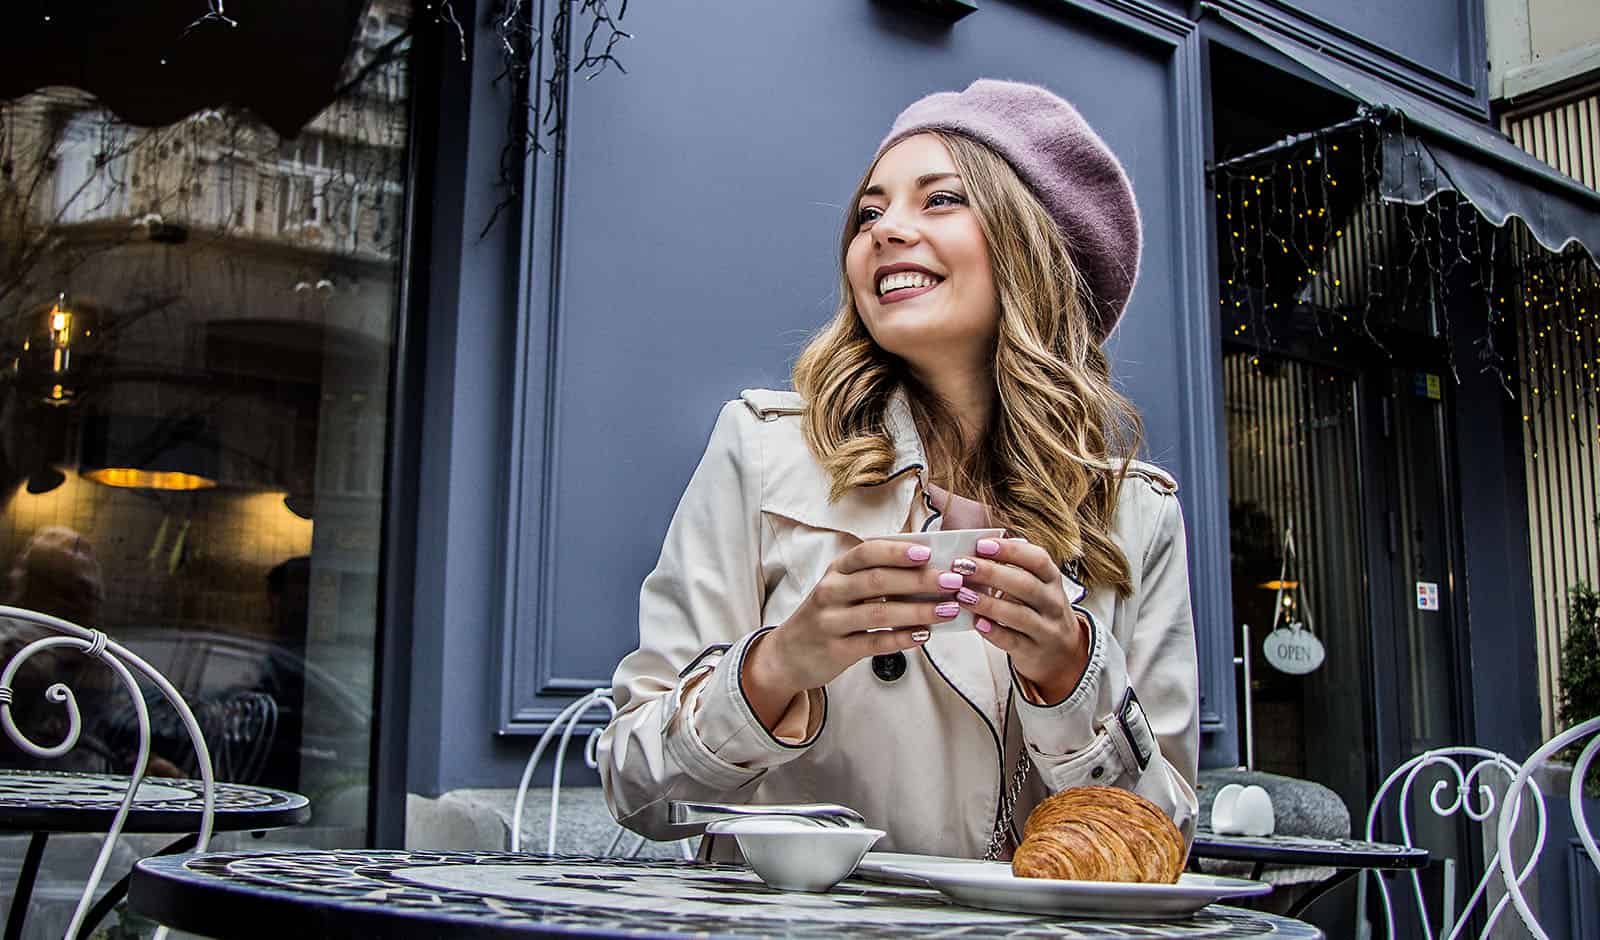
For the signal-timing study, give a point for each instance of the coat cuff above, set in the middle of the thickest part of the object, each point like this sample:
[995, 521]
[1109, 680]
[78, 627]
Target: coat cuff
[1099, 734]
[1068, 726]
[730, 732]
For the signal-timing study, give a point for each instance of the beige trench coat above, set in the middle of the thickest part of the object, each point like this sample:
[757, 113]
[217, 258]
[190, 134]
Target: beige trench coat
[925, 756]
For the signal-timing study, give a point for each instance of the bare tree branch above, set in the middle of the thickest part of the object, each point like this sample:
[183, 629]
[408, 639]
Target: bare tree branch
[540, 104]
[382, 56]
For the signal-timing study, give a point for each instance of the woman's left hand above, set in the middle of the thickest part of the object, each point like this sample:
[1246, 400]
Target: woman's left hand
[1025, 612]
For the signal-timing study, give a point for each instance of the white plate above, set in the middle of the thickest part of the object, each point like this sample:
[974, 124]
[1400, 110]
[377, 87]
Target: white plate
[990, 885]
[880, 866]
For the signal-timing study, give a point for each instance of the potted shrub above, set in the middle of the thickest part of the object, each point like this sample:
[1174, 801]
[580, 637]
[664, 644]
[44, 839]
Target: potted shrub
[1580, 670]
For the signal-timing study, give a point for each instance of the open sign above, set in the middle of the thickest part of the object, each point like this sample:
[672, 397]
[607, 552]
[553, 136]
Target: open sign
[1293, 649]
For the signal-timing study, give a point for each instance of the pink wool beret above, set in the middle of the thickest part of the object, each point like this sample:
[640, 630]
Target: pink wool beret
[1063, 161]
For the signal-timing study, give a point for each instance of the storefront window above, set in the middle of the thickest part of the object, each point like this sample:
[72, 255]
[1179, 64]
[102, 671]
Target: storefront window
[196, 322]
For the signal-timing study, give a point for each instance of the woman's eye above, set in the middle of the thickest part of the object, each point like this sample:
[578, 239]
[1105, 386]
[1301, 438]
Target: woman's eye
[866, 214]
[945, 199]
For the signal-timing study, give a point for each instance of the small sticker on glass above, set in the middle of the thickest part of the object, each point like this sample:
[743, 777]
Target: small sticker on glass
[1427, 595]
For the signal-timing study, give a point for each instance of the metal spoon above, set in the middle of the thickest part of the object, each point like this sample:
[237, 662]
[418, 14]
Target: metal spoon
[690, 813]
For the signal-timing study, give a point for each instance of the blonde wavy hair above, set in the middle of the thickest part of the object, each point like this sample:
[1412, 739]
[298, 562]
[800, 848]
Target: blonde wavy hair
[1051, 462]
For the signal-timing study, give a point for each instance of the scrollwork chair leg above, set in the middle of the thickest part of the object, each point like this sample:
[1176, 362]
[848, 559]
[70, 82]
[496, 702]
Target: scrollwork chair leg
[119, 890]
[24, 893]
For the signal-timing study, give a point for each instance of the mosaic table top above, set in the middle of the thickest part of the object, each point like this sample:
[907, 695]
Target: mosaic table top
[1302, 850]
[395, 894]
[47, 801]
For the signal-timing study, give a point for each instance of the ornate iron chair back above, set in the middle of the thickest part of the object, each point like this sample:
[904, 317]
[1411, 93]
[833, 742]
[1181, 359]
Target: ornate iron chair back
[565, 723]
[243, 724]
[1471, 795]
[1580, 771]
[240, 726]
[124, 664]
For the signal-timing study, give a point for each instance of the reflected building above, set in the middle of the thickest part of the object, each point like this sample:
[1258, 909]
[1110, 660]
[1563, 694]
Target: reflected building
[196, 322]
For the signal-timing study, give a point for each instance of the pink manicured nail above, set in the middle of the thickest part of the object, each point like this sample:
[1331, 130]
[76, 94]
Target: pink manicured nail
[947, 610]
[988, 547]
[921, 636]
[949, 580]
[967, 596]
[919, 553]
[982, 625]
[964, 566]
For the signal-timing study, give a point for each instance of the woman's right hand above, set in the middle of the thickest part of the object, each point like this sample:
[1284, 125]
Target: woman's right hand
[854, 611]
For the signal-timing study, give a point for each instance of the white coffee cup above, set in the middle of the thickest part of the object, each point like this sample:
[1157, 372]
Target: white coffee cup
[946, 548]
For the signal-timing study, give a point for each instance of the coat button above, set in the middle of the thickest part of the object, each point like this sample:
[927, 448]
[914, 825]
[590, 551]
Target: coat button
[889, 666]
[1097, 773]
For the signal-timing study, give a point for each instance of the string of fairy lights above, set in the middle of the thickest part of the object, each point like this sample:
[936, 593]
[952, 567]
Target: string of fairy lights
[1560, 348]
[1315, 262]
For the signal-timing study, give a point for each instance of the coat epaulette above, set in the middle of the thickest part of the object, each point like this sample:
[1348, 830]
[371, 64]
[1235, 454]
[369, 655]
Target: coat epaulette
[770, 403]
[1160, 480]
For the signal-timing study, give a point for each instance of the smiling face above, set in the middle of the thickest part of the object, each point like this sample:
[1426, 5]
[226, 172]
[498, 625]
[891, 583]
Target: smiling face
[918, 264]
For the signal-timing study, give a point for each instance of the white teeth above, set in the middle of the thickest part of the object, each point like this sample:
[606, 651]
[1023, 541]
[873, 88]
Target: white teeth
[905, 279]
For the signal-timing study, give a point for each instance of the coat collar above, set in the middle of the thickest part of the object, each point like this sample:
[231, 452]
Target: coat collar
[908, 449]
[795, 486]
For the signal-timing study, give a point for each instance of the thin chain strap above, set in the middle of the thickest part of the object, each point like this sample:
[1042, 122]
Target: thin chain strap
[1002, 834]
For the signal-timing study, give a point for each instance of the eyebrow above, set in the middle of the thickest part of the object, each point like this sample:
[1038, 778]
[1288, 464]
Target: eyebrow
[922, 182]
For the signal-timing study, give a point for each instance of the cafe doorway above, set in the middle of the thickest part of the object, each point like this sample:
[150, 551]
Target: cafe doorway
[1344, 559]
[1341, 313]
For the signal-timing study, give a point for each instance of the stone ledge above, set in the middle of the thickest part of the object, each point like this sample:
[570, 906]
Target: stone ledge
[1301, 808]
[480, 819]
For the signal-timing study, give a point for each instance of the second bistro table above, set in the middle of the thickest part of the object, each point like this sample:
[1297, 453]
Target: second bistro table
[492, 895]
[1348, 856]
[44, 802]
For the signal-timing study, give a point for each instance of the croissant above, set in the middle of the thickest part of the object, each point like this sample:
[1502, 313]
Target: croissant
[1099, 834]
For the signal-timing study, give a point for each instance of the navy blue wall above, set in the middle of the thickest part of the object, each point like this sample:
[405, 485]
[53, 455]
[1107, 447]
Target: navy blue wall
[468, 307]
[1498, 568]
[703, 254]
[1432, 34]
[683, 248]
[1436, 47]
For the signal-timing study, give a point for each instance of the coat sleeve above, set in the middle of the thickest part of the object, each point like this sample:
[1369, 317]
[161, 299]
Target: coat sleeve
[1134, 720]
[684, 729]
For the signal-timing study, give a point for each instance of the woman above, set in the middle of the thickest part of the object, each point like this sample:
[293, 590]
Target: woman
[988, 252]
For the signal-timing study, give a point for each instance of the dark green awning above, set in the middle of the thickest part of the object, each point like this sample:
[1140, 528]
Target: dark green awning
[155, 62]
[1429, 148]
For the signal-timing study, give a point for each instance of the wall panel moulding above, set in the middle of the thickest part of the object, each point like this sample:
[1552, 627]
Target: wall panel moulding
[951, 10]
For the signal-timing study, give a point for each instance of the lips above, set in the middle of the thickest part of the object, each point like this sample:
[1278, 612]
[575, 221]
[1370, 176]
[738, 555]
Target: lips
[903, 281]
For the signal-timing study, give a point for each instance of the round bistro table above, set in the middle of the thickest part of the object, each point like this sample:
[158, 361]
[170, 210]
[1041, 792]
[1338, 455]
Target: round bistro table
[45, 802]
[1347, 856]
[487, 895]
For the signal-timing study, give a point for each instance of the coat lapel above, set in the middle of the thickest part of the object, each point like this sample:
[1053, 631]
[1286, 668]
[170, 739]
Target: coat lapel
[962, 660]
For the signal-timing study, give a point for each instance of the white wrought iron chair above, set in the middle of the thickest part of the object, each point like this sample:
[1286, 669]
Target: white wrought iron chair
[1580, 771]
[1468, 766]
[565, 723]
[96, 645]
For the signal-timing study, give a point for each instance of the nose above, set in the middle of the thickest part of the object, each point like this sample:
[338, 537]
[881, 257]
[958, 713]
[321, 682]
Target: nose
[894, 227]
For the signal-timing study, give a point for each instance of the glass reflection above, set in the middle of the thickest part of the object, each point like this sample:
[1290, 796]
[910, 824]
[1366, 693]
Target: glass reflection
[195, 332]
